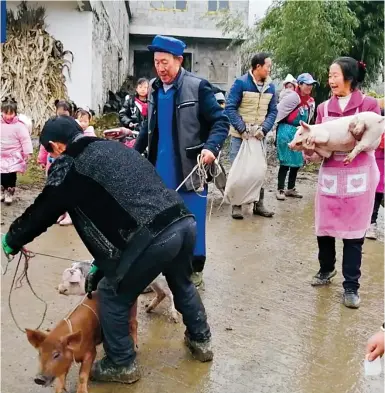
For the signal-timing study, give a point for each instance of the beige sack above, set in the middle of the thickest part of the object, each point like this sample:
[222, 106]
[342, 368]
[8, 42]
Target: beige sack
[247, 174]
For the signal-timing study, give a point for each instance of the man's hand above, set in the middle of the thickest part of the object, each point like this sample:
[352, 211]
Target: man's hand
[259, 134]
[207, 156]
[92, 280]
[375, 346]
[7, 250]
[255, 131]
[245, 135]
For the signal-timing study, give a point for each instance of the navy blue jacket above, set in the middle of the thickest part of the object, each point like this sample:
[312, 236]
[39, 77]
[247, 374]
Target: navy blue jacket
[234, 99]
[199, 123]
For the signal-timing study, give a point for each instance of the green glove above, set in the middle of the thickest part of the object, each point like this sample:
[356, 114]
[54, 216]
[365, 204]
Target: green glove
[92, 280]
[7, 250]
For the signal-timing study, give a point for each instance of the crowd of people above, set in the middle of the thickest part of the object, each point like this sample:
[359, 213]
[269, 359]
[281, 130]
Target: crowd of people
[145, 227]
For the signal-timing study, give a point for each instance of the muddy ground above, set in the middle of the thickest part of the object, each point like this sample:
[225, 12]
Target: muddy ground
[272, 332]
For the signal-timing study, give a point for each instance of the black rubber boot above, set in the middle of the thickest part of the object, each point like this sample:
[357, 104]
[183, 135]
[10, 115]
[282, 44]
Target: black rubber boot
[106, 371]
[201, 351]
[259, 208]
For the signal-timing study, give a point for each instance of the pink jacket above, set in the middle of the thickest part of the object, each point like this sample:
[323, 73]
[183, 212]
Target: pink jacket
[16, 145]
[358, 100]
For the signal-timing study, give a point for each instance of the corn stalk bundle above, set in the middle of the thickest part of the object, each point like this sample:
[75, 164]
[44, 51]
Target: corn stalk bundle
[32, 65]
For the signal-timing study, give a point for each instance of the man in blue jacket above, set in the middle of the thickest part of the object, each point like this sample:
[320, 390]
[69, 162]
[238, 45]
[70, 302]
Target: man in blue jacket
[252, 109]
[184, 121]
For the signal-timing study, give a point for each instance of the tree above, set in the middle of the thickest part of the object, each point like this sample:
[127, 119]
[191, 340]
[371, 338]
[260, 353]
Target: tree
[306, 36]
[368, 43]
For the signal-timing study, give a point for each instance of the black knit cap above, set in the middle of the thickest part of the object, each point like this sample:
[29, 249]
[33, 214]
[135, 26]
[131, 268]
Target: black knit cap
[62, 129]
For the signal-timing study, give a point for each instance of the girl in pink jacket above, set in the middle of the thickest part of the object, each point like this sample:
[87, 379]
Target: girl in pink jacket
[16, 148]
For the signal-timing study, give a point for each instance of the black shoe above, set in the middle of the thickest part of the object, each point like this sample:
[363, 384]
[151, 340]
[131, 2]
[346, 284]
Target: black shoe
[323, 278]
[106, 371]
[236, 212]
[351, 298]
[201, 351]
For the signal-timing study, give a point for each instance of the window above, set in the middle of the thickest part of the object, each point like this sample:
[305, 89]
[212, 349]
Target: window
[180, 5]
[218, 5]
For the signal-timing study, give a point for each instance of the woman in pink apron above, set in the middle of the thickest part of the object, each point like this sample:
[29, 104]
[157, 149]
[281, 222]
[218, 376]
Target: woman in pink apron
[345, 194]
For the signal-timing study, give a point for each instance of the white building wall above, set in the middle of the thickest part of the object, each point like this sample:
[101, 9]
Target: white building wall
[97, 39]
[74, 29]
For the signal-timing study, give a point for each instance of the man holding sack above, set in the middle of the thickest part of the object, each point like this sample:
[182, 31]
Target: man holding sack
[251, 107]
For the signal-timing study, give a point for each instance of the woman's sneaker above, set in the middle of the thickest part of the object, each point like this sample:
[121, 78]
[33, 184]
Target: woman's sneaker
[293, 193]
[351, 298]
[372, 232]
[281, 195]
[323, 278]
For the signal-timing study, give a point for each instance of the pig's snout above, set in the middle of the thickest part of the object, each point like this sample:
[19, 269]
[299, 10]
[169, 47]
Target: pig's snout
[43, 380]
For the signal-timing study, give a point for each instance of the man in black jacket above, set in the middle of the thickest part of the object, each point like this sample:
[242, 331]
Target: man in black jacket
[134, 227]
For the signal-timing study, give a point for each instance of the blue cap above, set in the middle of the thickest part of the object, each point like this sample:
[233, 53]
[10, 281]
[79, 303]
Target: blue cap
[167, 44]
[307, 79]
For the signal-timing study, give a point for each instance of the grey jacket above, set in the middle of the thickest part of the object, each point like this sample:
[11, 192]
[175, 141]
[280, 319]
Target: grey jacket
[199, 123]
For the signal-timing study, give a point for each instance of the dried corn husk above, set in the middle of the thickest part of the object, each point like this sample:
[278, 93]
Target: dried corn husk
[32, 64]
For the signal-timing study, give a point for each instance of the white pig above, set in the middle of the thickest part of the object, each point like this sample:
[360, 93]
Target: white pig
[73, 283]
[350, 134]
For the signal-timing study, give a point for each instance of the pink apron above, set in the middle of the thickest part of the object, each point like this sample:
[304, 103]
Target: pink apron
[345, 194]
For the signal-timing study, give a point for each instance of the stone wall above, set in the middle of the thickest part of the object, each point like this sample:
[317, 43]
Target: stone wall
[110, 49]
[191, 17]
[211, 59]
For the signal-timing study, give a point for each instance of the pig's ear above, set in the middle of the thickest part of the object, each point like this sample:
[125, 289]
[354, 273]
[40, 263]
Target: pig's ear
[35, 337]
[72, 340]
[304, 125]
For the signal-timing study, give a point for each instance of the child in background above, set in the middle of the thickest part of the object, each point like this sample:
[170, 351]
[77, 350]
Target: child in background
[16, 148]
[63, 108]
[83, 117]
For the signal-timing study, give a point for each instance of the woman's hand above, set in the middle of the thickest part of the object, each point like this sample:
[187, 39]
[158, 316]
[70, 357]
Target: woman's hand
[375, 346]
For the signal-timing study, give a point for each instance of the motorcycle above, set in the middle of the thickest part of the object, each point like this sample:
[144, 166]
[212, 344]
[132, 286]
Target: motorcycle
[123, 135]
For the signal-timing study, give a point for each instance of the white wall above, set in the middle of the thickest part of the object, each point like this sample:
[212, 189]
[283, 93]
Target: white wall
[98, 39]
[74, 29]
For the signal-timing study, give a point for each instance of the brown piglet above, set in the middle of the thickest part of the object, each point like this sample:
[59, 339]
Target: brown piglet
[74, 338]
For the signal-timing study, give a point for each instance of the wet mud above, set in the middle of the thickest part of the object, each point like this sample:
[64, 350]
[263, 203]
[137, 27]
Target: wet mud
[272, 332]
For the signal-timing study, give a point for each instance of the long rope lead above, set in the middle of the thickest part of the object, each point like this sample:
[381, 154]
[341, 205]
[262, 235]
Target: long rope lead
[17, 282]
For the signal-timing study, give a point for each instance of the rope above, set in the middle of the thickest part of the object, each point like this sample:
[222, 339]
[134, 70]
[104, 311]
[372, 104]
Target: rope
[17, 282]
[203, 171]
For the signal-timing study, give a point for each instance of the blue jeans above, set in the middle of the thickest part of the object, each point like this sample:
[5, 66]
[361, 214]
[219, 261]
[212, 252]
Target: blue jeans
[170, 254]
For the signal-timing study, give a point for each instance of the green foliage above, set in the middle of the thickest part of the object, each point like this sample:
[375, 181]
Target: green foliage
[306, 36]
[368, 44]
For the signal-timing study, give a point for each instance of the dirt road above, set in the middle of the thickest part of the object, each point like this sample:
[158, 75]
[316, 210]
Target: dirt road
[272, 332]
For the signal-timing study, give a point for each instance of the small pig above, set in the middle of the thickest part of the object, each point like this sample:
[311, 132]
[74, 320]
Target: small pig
[351, 134]
[73, 339]
[73, 280]
[73, 283]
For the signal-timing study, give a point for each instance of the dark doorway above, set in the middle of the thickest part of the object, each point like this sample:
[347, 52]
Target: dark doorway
[144, 64]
